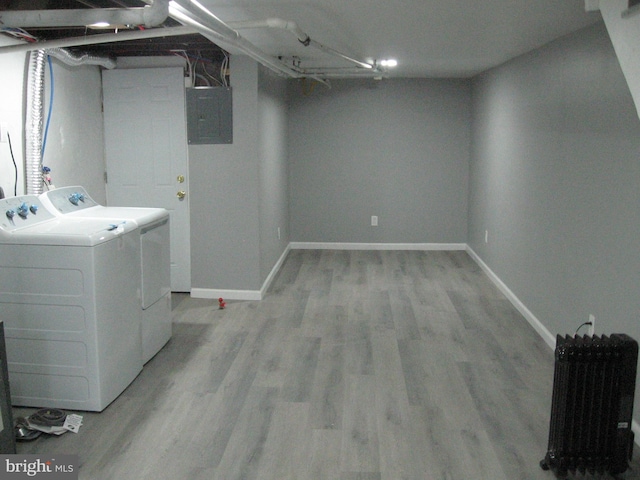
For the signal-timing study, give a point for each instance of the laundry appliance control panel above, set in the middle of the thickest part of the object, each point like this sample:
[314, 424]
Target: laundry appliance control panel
[70, 199]
[22, 211]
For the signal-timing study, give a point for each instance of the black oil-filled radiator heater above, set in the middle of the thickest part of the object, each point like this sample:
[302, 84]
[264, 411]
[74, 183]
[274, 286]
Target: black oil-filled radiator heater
[592, 405]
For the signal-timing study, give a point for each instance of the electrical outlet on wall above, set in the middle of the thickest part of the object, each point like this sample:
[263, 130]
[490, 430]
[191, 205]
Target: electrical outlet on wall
[374, 220]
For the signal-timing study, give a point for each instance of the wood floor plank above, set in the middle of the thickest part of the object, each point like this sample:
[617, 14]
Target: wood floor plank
[244, 451]
[327, 395]
[359, 449]
[400, 459]
[299, 382]
[287, 446]
[374, 365]
[324, 455]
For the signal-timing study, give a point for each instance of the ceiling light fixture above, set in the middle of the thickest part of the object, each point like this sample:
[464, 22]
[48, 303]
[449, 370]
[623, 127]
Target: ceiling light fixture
[390, 62]
[99, 25]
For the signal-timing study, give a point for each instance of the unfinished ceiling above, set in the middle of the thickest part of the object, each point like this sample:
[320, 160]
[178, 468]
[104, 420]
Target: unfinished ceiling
[429, 38]
[142, 47]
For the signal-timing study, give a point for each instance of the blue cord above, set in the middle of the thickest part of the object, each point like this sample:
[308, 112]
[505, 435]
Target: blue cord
[46, 130]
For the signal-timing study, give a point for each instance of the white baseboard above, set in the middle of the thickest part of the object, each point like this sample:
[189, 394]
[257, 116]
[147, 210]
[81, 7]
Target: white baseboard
[249, 295]
[546, 335]
[226, 294]
[375, 246]
[274, 272]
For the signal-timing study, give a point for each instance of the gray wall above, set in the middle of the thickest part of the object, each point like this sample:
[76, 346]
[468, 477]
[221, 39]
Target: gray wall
[274, 206]
[555, 180]
[75, 143]
[398, 149]
[224, 186]
[75, 146]
[239, 191]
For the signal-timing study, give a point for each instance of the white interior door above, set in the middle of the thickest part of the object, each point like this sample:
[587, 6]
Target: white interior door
[146, 152]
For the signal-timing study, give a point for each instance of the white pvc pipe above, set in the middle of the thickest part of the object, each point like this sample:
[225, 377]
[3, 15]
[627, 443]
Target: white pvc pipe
[150, 16]
[273, 23]
[99, 38]
[302, 36]
[209, 28]
[336, 53]
[216, 30]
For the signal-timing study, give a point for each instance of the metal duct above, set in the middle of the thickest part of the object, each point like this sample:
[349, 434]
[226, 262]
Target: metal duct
[35, 106]
[150, 16]
[33, 127]
[98, 39]
[75, 59]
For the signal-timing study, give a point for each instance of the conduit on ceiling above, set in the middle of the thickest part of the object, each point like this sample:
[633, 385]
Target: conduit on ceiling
[196, 19]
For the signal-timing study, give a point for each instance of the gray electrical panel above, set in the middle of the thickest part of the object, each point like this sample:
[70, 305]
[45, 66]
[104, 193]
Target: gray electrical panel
[209, 115]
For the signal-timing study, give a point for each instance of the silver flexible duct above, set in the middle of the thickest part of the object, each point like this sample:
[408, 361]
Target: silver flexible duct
[77, 59]
[33, 127]
[35, 106]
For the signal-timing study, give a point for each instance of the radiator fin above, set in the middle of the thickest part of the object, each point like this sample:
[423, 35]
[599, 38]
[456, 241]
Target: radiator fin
[592, 404]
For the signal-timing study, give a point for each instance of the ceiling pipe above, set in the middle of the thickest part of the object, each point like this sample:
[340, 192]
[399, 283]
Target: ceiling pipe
[303, 38]
[273, 23]
[98, 39]
[149, 16]
[218, 32]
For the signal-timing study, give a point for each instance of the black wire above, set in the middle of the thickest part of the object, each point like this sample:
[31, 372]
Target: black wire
[48, 417]
[577, 329]
[15, 184]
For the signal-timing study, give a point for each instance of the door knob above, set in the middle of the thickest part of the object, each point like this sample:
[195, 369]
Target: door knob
[180, 178]
[181, 194]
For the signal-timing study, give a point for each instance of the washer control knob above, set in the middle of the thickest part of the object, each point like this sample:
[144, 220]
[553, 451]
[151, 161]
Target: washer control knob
[74, 198]
[80, 196]
[23, 210]
[34, 208]
[11, 214]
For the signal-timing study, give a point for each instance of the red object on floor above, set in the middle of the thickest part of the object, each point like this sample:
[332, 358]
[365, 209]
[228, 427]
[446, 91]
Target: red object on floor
[221, 303]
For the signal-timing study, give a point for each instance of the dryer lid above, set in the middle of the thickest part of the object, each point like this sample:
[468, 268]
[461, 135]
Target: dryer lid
[85, 232]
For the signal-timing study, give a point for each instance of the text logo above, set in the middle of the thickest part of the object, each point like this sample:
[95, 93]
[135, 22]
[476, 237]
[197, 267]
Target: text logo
[55, 467]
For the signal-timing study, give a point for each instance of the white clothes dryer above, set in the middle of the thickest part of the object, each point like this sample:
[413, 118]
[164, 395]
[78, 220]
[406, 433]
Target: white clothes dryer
[69, 295]
[155, 279]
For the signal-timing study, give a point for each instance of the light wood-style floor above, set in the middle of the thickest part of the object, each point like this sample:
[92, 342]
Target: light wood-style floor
[357, 365]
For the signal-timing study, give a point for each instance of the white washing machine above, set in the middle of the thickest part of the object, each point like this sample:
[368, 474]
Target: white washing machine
[69, 294]
[155, 280]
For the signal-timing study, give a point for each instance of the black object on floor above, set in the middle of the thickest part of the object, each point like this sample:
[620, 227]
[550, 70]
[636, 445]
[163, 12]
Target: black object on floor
[592, 405]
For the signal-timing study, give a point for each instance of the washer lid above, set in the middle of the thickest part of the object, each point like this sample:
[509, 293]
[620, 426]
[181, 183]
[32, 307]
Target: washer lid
[85, 232]
[75, 202]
